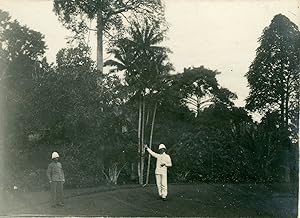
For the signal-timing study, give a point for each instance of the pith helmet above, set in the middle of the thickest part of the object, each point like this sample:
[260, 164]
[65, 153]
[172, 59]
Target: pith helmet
[55, 155]
[161, 146]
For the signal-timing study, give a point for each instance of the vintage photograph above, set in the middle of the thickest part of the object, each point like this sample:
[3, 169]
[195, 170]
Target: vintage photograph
[149, 108]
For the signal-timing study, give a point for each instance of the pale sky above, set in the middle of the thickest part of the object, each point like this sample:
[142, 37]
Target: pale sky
[219, 34]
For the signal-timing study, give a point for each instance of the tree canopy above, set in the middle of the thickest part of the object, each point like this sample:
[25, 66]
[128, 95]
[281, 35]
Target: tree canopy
[199, 88]
[274, 74]
[109, 15]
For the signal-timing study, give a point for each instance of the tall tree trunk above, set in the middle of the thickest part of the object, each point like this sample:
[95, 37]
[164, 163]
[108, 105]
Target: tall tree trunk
[100, 29]
[142, 140]
[148, 115]
[139, 137]
[150, 142]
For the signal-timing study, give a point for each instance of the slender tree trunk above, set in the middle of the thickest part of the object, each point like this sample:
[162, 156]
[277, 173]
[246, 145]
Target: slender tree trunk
[139, 137]
[150, 142]
[100, 29]
[148, 115]
[142, 139]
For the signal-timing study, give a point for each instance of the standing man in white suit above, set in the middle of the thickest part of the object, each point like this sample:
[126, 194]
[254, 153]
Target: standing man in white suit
[163, 161]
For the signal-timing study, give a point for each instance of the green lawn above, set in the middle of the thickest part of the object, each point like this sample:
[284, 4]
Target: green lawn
[184, 200]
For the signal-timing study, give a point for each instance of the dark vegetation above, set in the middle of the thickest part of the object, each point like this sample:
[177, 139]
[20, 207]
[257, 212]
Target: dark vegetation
[98, 121]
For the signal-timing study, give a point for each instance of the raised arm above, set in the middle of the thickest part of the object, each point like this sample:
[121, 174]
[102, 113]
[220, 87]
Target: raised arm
[152, 153]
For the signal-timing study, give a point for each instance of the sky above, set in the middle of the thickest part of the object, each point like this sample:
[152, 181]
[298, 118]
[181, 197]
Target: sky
[218, 34]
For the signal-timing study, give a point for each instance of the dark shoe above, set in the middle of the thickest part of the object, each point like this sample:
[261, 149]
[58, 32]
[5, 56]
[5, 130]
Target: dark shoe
[164, 199]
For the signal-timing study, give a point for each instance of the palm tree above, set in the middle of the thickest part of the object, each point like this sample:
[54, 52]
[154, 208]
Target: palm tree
[144, 64]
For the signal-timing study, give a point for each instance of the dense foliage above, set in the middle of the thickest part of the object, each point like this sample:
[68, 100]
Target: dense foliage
[274, 74]
[274, 86]
[109, 15]
[99, 122]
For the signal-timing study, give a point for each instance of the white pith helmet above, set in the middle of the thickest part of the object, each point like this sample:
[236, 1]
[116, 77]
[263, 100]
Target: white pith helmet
[55, 155]
[161, 146]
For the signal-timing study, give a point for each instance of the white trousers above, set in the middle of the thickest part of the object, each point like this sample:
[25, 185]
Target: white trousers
[162, 186]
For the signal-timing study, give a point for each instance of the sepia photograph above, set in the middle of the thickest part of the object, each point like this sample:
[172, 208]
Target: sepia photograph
[149, 108]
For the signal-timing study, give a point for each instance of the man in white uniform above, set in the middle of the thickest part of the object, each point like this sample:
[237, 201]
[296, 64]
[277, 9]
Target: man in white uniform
[162, 163]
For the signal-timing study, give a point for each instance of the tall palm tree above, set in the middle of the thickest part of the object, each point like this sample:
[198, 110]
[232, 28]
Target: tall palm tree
[144, 63]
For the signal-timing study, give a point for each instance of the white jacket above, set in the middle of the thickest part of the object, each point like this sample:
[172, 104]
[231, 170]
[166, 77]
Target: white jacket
[161, 159]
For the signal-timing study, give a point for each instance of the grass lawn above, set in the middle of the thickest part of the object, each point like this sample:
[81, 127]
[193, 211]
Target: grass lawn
[200, 200]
